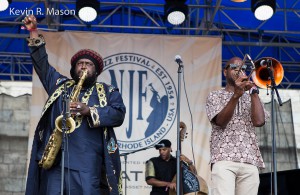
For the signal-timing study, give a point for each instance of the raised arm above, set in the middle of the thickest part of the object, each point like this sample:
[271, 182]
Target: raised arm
[31, 25]
[225, 115]
[47, 74]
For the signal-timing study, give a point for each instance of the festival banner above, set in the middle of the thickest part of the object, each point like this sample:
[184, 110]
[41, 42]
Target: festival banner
[144, 70]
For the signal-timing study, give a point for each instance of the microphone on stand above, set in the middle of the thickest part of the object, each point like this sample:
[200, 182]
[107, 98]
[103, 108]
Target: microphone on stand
[178, 152]
[178, 60]
[265, 62]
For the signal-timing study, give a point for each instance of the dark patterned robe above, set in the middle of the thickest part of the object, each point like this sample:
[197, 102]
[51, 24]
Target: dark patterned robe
[94, 138]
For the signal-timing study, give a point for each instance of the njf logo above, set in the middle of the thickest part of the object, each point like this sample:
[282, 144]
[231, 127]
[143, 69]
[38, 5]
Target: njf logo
[150, 97]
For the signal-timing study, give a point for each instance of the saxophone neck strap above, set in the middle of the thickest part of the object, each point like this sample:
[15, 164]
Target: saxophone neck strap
[100, 91]
[56, 94]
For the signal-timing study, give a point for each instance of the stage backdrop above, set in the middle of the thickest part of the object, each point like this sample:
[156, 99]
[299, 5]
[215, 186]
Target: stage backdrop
[143, 68]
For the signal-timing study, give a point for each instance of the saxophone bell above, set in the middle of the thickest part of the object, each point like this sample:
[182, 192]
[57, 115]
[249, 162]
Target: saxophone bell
[70, 124]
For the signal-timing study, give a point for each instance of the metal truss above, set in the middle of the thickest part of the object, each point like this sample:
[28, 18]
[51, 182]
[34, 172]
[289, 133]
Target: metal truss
[15, 66]
[280, 40]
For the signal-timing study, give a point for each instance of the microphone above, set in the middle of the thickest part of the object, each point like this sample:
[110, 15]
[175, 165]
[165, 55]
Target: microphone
[178, 60]
[263, 62]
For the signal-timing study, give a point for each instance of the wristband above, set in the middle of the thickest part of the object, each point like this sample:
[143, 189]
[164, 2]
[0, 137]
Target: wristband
[36, 41]
[253, 90]
[29, 29]
[32, 29]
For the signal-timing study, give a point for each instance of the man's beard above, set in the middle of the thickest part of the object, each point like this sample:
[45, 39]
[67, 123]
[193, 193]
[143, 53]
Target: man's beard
[89, 81]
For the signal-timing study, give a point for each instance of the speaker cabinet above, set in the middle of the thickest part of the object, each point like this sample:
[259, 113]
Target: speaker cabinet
[287, 183]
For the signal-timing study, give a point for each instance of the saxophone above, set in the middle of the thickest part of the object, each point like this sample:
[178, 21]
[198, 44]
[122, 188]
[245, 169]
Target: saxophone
[54, 144]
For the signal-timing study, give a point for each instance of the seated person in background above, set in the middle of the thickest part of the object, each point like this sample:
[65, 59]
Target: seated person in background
[161, 170]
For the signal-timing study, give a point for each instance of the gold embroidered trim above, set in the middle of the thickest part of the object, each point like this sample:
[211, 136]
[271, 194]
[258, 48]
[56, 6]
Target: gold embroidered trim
[36, 41]
[85, 99]
[120, 184]
[55, 95]
[105, 132]
[101, 94]
[95, 117]
[102, 101]
[41, 134]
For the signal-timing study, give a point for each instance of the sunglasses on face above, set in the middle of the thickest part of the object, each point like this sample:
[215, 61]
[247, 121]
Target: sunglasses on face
[235, 66]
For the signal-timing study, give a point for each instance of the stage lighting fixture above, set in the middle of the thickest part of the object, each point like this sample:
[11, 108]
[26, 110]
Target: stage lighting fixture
[4, 4]
[263, 9]
[238, 1]
[87, 10]
[176, 11]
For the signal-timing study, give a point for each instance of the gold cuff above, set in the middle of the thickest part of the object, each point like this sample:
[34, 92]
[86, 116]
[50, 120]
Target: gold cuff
[36, 41]
[95, 117]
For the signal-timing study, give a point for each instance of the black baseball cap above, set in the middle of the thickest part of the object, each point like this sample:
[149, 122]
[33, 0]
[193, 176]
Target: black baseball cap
[163, 143]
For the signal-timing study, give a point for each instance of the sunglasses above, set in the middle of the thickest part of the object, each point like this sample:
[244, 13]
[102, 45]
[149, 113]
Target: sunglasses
[235, 66]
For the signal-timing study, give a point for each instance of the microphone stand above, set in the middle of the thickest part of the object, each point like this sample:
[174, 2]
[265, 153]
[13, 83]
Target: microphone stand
[273, 88]
[178, 152]
[125, 159]
[66, 113]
